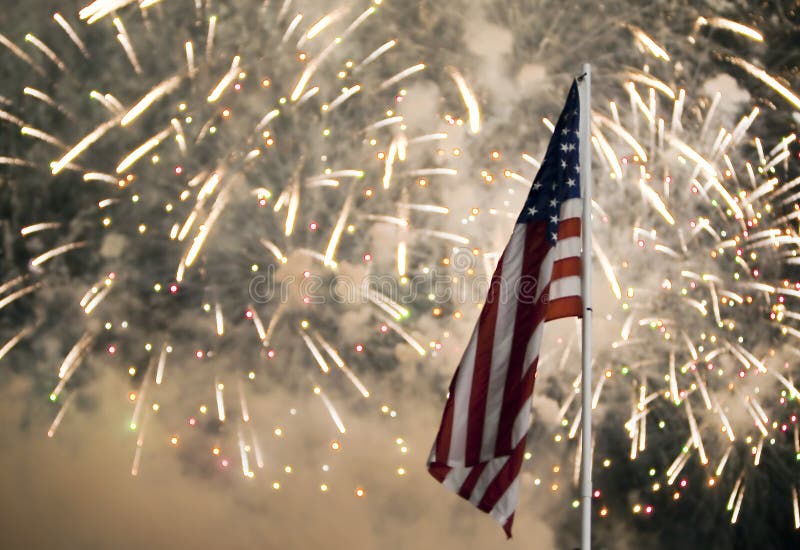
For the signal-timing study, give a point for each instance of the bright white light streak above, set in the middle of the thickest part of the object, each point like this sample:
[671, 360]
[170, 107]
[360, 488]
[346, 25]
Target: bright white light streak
[96, 299]
[36, 227]
[344, 96]
[337, 359]
[332, 411]
[723, 462]
[460, 239]
[190, 66]
[273, 248]
[405, 336]
[401, 75]
[212, 25]
[470, 102]
[160, 90]
[225, 82]
[82, 145]
[243, 402]
[385, 122]
[738, 506]
[51, 432]
[338, 228]
[142, 150]
[8, 346]
[219, 319]
[269, 117]
[58, 18]
[323, 365]
[21, 55]
[45, 49]
[103, 100]
[608, 269]
[218, 389]
[376, 54]
[43, 136]
[767, 79]
[246, 472]
[8, 117]
[648, 43]
[99, 176]
[125, 40]
[618, 129]
[733, 26]
[98, 9]
[162, 364]
[291, 28]
[50, 254]
[140, 399]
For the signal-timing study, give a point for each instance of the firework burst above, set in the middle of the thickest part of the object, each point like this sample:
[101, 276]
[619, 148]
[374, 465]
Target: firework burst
[223, 196]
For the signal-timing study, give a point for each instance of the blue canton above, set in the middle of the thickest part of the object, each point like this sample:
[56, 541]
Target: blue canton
[559, 176]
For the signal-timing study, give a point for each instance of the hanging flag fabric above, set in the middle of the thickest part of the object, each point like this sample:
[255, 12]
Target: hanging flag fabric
[479, 449]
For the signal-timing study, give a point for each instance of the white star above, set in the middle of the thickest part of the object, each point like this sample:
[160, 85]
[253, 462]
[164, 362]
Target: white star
[532, 210]
[564, 131]
[570, 147]
[553, 219]
[536, 185]
[578, 168]
[565, 147]
[570, 182]
[554, 236]
[563, 164]
[553, 203]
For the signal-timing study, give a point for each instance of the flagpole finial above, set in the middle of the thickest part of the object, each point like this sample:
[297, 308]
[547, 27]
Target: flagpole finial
[581, 77]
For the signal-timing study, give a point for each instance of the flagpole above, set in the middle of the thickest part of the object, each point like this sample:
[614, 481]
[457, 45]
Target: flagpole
[584, 88]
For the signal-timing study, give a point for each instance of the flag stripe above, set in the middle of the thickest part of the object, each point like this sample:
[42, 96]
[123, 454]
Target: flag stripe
[570, 306]
[461, 393]
[513, 271]
[566, 268]
[483, 363]
[569, 228]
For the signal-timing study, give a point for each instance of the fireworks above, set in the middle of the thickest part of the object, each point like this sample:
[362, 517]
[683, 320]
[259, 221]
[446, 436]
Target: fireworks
[200, 193]
[234, 184]
[696, 236]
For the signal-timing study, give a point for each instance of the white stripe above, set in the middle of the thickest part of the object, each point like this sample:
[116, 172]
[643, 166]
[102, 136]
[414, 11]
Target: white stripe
[455, 478]
[487, 476]
[508, 502]
[503, 338]
[462, 390]
[564, 287]
[571, 208]
[545, 272]
[522, 423]
[534, 344]
[568, 248]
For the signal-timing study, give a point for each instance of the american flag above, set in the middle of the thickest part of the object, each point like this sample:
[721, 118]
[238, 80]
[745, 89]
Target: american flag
[481, 442]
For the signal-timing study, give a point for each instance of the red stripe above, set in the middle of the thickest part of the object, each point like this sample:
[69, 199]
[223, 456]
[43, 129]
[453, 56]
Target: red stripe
[528, 318]
[483, 367]
[566, 267]
[439, 471]
[472, 479]
[503, 480]
[446, 427]
[571, 227]
[568, 306]
[507, 525]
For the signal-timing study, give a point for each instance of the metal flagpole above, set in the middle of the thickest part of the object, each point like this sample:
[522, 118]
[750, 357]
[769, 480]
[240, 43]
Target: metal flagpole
[585, 159]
